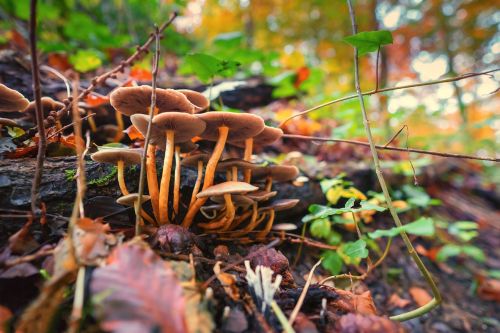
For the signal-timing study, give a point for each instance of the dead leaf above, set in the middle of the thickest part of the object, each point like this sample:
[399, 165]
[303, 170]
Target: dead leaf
[228, 282]
[94, 100]
[140, 74]
[138, 292]
[397, 302]
[133, 133]
[5, 315]
[355, 323]
[420, 296]
[92, 241]
[489, 289]
[363, 303]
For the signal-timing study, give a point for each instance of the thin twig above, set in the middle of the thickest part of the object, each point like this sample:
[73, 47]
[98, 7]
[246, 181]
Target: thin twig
[142, 174]
[42, 142]
[303, 294]
[59, 75]
[69, 125]
[27, 258]
[435, 291]
[380, 147]
[369, 93]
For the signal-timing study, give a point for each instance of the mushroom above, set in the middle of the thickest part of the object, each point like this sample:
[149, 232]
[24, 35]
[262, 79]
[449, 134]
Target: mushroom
[131, 200]
[197, 99]
[177, 127]
[121, 157]
[231, 165]
[48, 105]
[11, 100]
[222, 126]
[256, 197]
[264, 138]
[197, 161]
[279, 173]
[283, 227]
[278, 205]
[226, 190]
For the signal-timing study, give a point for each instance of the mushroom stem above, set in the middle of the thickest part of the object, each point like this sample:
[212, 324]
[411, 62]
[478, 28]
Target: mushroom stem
[92, 125]
[177, 179]
[119, 123]
[241, 219]
[152, 177]
[147, 217]
[213, 225]
[234, 172]
[253, 223]
[230, 211]
[196, 187]
[269, 184]
[247, 156]
[262, 234]
[165, 177]
[209, 175]
[229, 175]
[120, 165]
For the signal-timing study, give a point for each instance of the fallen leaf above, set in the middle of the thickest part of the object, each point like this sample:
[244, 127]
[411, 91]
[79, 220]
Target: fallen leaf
[94, 100]
[138, 292]
[5, 315]
[420, 296]
[140, 74]
[133, 133]
[397, 302]
[354, 323]
[363, 303]
[92, 241]
[228, 282]
[489, 289]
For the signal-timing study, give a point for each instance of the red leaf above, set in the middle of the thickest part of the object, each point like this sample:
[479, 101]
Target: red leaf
[140, 74]
[93, 100]
[489, 289]
[302, 75]
[133, 133]
[140, 293]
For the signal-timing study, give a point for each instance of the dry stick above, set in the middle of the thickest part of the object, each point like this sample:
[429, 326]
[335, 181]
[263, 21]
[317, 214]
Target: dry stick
[303, 294]
[69, 125]
[369, 93]
[435, 291]
[103, 77]
[380, 147]
[142, 174]
[42, 143]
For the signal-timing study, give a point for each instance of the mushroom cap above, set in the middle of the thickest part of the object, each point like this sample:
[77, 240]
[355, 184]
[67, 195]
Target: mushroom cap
[279, 173]
[8, 122]
[241, 125]
[130, 199]
[186, 126]
[264, 138]
[141, 121]
[284, 204]
[48, 104]
[238, 200]
[261, 195]
[129, 156]
[187, 147]
[11, 100]
[192, 161]
[213, 207]
[132, 100]
[284, 227]
[197, 99]
[227, 164]
[227, 188]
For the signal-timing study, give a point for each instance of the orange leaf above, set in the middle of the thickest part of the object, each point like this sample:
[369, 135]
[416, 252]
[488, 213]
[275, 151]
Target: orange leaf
[21, 152]
[398, 302]
[364, 304]
[140, 74]
[302, 75]
[489, 289]
[420, 296]
[133, 133]
[59, 61]
[96, 100]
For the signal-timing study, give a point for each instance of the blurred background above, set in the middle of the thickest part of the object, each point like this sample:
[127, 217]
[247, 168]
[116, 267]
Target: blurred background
[296, 47]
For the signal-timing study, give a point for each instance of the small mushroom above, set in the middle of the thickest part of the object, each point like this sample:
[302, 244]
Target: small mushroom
[197, 99]
[222, 126]
[278, 205]
[231, 166]
[283, 227]
[279, 173]
[48, 104]
[226, 190]
[11, 100]
[178, 127]
[130, 200]
[121, 157]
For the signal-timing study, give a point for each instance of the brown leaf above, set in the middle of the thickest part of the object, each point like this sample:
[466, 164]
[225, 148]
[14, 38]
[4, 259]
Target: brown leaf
[489, 289]
[420, 296]
[92, 241]
[228, 282]
[355, 323]
[363, 303]
[139, 291]
[397, 302]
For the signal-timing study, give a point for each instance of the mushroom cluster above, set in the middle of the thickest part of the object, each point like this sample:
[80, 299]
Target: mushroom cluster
[232, 208]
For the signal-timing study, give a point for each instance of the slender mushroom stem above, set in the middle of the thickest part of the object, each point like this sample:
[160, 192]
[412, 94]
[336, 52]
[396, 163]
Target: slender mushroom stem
[247, 156]
[209, 175]
[242, 218]
[147, 217]
[269, 184]
[92, 125]
[252, 224]
[234, 172]
[165, 177]
[120, 165]
[214, 225]
[229, 176]
[119, 123]
[177, 179]
[152, 178]
[197, 185]
[262, 234]
[230, 211]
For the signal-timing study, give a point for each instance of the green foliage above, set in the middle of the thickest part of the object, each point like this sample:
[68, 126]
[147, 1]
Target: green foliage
[369, 41]
[322, 212]
[332, 262]
[454, 250]
[206, 67]
[424, 226]
[355, 250]
[70, 174]
[86, 60]
[320, 228]
[465, 231]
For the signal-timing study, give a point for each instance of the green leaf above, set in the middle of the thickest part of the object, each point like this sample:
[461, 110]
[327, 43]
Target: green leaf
[474, 252]
[320, 228]
[332, 262]
[366, 205]
[86, 60]
[15, 132]
[350, 203]
[424, 226]
[369, 41]
[334, 238]
[204, 66]
[448, 251]
[355, 250]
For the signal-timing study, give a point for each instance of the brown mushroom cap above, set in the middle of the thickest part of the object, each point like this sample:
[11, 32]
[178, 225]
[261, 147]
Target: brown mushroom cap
[264, 138]
[128, 156]
[130, 199]
[197, 99]
[227, 164]
[192, 161]
[141, 121]
[279, 173]
[284, 204]
[187, 147]
[11, 100]
[132, 100]
[261, 195]
[185, 125]
[8, 122]
[238, 200]
[227, 188]
[284, 227]
[48, 104]
[241, 125]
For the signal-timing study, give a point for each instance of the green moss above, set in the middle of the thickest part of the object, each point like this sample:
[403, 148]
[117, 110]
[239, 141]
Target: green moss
[70, 174]
[106, 179]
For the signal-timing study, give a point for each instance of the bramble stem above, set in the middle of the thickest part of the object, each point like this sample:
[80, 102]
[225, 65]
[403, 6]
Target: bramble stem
[427, 276]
